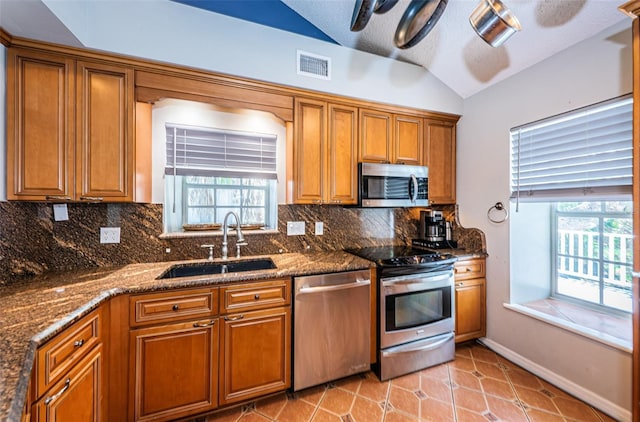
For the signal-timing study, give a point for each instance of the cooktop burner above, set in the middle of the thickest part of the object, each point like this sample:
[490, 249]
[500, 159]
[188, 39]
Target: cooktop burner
[395, 256]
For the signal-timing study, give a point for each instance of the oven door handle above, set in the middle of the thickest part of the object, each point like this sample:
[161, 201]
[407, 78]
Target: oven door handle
[404, 349]
[320, 289]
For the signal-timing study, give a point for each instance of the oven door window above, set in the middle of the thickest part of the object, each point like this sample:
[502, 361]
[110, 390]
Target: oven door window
[408, 310]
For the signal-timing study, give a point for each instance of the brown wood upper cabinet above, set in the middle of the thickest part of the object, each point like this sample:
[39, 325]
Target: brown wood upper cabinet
[324, 153]
[70, 126]
[440, 157]
[390, 138]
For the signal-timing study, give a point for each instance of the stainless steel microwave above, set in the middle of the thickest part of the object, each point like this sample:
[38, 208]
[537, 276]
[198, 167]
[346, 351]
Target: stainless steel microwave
[392, 185]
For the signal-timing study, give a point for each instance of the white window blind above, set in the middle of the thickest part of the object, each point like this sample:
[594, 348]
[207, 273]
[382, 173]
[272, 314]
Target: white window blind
[197, 151]
[585, 152]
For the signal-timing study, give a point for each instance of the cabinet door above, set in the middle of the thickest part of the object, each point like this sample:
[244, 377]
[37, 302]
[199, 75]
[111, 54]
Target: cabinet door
[77, 396]
[255, 354]
[309, 151]
[375, 136]
[470, 309]
[407, 140]
[343, 165]
[39, 126]
[105, 132]
[174, 370]
[440, 157]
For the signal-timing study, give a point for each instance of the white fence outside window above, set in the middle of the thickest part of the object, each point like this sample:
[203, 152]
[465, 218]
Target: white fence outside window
[584, 272]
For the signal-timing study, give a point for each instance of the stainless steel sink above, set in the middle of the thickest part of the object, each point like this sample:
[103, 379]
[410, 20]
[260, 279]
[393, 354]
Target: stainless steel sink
[207, 268]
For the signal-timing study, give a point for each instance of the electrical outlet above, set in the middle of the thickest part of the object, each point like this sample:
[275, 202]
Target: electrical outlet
[109, 234]
[319, 228]
[295, 228]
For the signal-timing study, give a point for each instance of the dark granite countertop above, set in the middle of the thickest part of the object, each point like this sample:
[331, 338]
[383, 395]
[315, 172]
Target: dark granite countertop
[463, 254]
[36, 309]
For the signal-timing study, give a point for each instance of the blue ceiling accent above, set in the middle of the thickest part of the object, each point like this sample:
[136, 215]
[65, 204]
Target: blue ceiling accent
[273, 13]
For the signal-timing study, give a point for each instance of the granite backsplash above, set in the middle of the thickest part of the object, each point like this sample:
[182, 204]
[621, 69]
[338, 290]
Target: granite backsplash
[32, 243]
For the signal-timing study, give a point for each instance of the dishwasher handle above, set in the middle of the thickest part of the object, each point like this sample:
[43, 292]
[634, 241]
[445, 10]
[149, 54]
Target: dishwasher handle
[334, 287]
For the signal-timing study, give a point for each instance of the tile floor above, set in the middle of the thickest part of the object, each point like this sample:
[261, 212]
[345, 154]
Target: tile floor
[478, 385]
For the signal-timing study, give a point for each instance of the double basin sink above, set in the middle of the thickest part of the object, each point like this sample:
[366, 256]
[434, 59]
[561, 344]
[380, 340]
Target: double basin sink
[208, 268]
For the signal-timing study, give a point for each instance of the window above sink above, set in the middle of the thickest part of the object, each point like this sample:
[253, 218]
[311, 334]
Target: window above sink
[225, 160]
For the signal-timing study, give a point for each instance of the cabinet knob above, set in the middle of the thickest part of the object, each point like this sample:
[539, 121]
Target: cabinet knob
[175, 307]
[78, 343]
[256, 297]
[460, 284]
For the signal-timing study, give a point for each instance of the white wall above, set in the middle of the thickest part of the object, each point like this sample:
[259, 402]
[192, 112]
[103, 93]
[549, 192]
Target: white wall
[592, 71]
[175, 33]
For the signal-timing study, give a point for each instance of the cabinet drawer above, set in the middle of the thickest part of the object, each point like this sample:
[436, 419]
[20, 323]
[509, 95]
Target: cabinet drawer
[471, 268]
[259, 295]
[468, 282]
[173, 306]
[58, 355]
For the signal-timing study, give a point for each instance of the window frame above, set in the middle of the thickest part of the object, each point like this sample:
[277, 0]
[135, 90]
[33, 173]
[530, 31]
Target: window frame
[215, 186]
[601, 260]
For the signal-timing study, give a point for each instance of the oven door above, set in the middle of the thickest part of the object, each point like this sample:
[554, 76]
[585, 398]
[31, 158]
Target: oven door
[414, 307]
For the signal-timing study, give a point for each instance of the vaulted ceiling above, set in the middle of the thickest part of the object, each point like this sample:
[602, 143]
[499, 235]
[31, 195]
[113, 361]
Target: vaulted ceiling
[451, 51]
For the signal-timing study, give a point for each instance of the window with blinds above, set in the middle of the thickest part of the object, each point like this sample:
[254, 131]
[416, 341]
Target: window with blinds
[211, 172]
[197, 151]
[582, 153]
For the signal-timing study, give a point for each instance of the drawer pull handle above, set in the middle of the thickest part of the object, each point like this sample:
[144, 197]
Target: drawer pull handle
[468, 270]
[257, 297]
[57, 198]
[67, 383]
[459, 284]
[205, 324]
[78, 343]
[233, 318]
[175, 307]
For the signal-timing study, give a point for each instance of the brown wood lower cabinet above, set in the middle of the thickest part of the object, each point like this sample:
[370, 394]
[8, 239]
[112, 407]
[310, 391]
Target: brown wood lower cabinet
[470, 300]
[77, 396]
[175, 369]
[186, 359]
[254, 354]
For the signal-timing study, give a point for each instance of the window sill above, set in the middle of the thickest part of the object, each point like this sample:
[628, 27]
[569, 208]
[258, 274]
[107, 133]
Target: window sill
[209, 233]
[622, 325]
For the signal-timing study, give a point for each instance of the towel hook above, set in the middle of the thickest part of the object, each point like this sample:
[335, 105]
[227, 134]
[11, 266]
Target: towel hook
[499, 206]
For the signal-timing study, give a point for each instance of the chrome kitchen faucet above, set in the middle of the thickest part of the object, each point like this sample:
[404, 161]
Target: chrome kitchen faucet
[240, 241]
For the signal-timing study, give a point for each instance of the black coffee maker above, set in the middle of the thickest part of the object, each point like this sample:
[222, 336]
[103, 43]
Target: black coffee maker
[433, 231]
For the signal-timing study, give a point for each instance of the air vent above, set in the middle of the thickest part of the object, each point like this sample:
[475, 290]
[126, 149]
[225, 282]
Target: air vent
[314, 65]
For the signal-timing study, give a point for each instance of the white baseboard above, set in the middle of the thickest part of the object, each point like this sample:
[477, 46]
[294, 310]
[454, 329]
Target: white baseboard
[611, 409]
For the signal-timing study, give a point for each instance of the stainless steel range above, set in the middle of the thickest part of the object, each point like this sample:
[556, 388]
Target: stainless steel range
[415, 308]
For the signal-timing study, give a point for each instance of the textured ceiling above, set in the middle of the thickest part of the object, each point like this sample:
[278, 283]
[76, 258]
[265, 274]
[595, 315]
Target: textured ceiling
[452, 51]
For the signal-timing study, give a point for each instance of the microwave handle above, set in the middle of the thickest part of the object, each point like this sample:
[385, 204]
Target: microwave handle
[414, 180]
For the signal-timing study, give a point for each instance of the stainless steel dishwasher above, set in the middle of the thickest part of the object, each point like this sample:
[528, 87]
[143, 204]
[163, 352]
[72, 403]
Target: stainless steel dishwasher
[332, 327]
